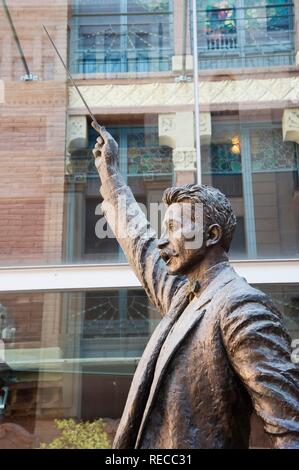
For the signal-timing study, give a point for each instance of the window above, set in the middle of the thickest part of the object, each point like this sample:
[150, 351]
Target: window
[235, 33]
[250, 163]
[221, 25]
[121, 37]
[279, 15]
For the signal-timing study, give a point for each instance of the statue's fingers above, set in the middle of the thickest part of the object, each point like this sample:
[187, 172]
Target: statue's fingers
[100, 140]
[99, 146]
[96, 153]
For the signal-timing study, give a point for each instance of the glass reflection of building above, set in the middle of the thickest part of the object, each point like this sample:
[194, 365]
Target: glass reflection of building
[75, 320]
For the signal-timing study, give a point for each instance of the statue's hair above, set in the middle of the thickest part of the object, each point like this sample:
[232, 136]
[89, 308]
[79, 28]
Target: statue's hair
[216, 207]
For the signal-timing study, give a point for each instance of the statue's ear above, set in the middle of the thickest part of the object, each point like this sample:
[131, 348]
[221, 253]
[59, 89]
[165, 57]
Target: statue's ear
[214, 235]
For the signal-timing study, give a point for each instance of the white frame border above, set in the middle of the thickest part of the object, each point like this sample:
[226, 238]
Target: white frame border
[97, 277]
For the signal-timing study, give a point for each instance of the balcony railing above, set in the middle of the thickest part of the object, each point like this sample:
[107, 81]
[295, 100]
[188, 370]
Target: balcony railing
[246, 37]
[119, 61]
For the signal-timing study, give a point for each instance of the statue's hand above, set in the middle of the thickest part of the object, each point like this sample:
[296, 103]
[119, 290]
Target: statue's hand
[106, 149]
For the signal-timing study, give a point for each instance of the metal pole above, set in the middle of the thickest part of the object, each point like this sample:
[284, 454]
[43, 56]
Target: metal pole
[196, 93]
[28, 76]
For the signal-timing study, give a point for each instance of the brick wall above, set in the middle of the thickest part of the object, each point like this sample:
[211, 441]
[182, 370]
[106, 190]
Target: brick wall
[32, 126]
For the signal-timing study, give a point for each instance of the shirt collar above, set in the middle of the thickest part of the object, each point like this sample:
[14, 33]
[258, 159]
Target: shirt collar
[199, 285]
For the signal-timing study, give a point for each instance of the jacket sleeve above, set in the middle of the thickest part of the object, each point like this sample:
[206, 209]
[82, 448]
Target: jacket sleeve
[258, 347]
[139, 242]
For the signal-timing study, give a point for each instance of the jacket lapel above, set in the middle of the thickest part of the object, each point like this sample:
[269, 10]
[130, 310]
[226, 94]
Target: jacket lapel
[140, 387]
[191, 316]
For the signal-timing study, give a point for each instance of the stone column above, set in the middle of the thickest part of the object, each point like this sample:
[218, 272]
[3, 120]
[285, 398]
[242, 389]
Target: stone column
[179, 29]
[290, 125]
[76, 171]
[49, 393]
[73, 306]
[76, 141]
[177, 131]
[290, 132]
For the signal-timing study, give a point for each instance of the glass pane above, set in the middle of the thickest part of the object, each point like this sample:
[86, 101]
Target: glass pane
[146, 166]
[257, 170]
[286, 298]
[222, 168]
[136, 38]
[152, 6]
[72, 355]
[96, 6]
[133, 63]
[69, 355]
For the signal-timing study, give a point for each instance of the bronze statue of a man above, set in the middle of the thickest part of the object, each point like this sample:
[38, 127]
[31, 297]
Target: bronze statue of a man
[220, 350]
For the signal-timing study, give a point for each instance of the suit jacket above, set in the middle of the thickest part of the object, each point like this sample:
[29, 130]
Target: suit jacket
[210, 361]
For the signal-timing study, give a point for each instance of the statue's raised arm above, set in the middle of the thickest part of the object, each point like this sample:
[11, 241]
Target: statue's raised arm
[131, 228]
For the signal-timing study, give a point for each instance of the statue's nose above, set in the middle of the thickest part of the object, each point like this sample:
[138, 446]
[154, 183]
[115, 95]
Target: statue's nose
[162, 242]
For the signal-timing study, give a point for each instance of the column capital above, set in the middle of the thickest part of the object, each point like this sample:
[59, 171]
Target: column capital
[167, 129]
[77, 136]
[290, 125]
[177, 129]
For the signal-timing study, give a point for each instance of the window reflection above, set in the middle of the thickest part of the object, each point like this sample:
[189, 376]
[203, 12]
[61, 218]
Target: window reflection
[251, 164]
[75, 353]
[145, 165]
[121, 37]
[235, 33]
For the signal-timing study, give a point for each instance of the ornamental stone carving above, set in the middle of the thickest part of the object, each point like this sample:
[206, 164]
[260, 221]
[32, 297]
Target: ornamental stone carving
[76, 133]
[290, 125]
[167, 129]
[184, 159]
[177, 129]
[175, 94]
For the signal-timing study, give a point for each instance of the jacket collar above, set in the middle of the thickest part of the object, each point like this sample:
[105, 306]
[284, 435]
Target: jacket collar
[196, 288]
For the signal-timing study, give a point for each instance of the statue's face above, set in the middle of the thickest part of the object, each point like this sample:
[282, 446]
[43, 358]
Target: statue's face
[182, 243]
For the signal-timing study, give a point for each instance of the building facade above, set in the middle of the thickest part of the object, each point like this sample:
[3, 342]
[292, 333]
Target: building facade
[74, 320]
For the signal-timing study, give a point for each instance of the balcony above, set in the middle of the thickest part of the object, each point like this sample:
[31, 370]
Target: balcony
[262, 36]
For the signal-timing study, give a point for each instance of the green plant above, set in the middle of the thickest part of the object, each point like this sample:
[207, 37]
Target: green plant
[82, 435]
